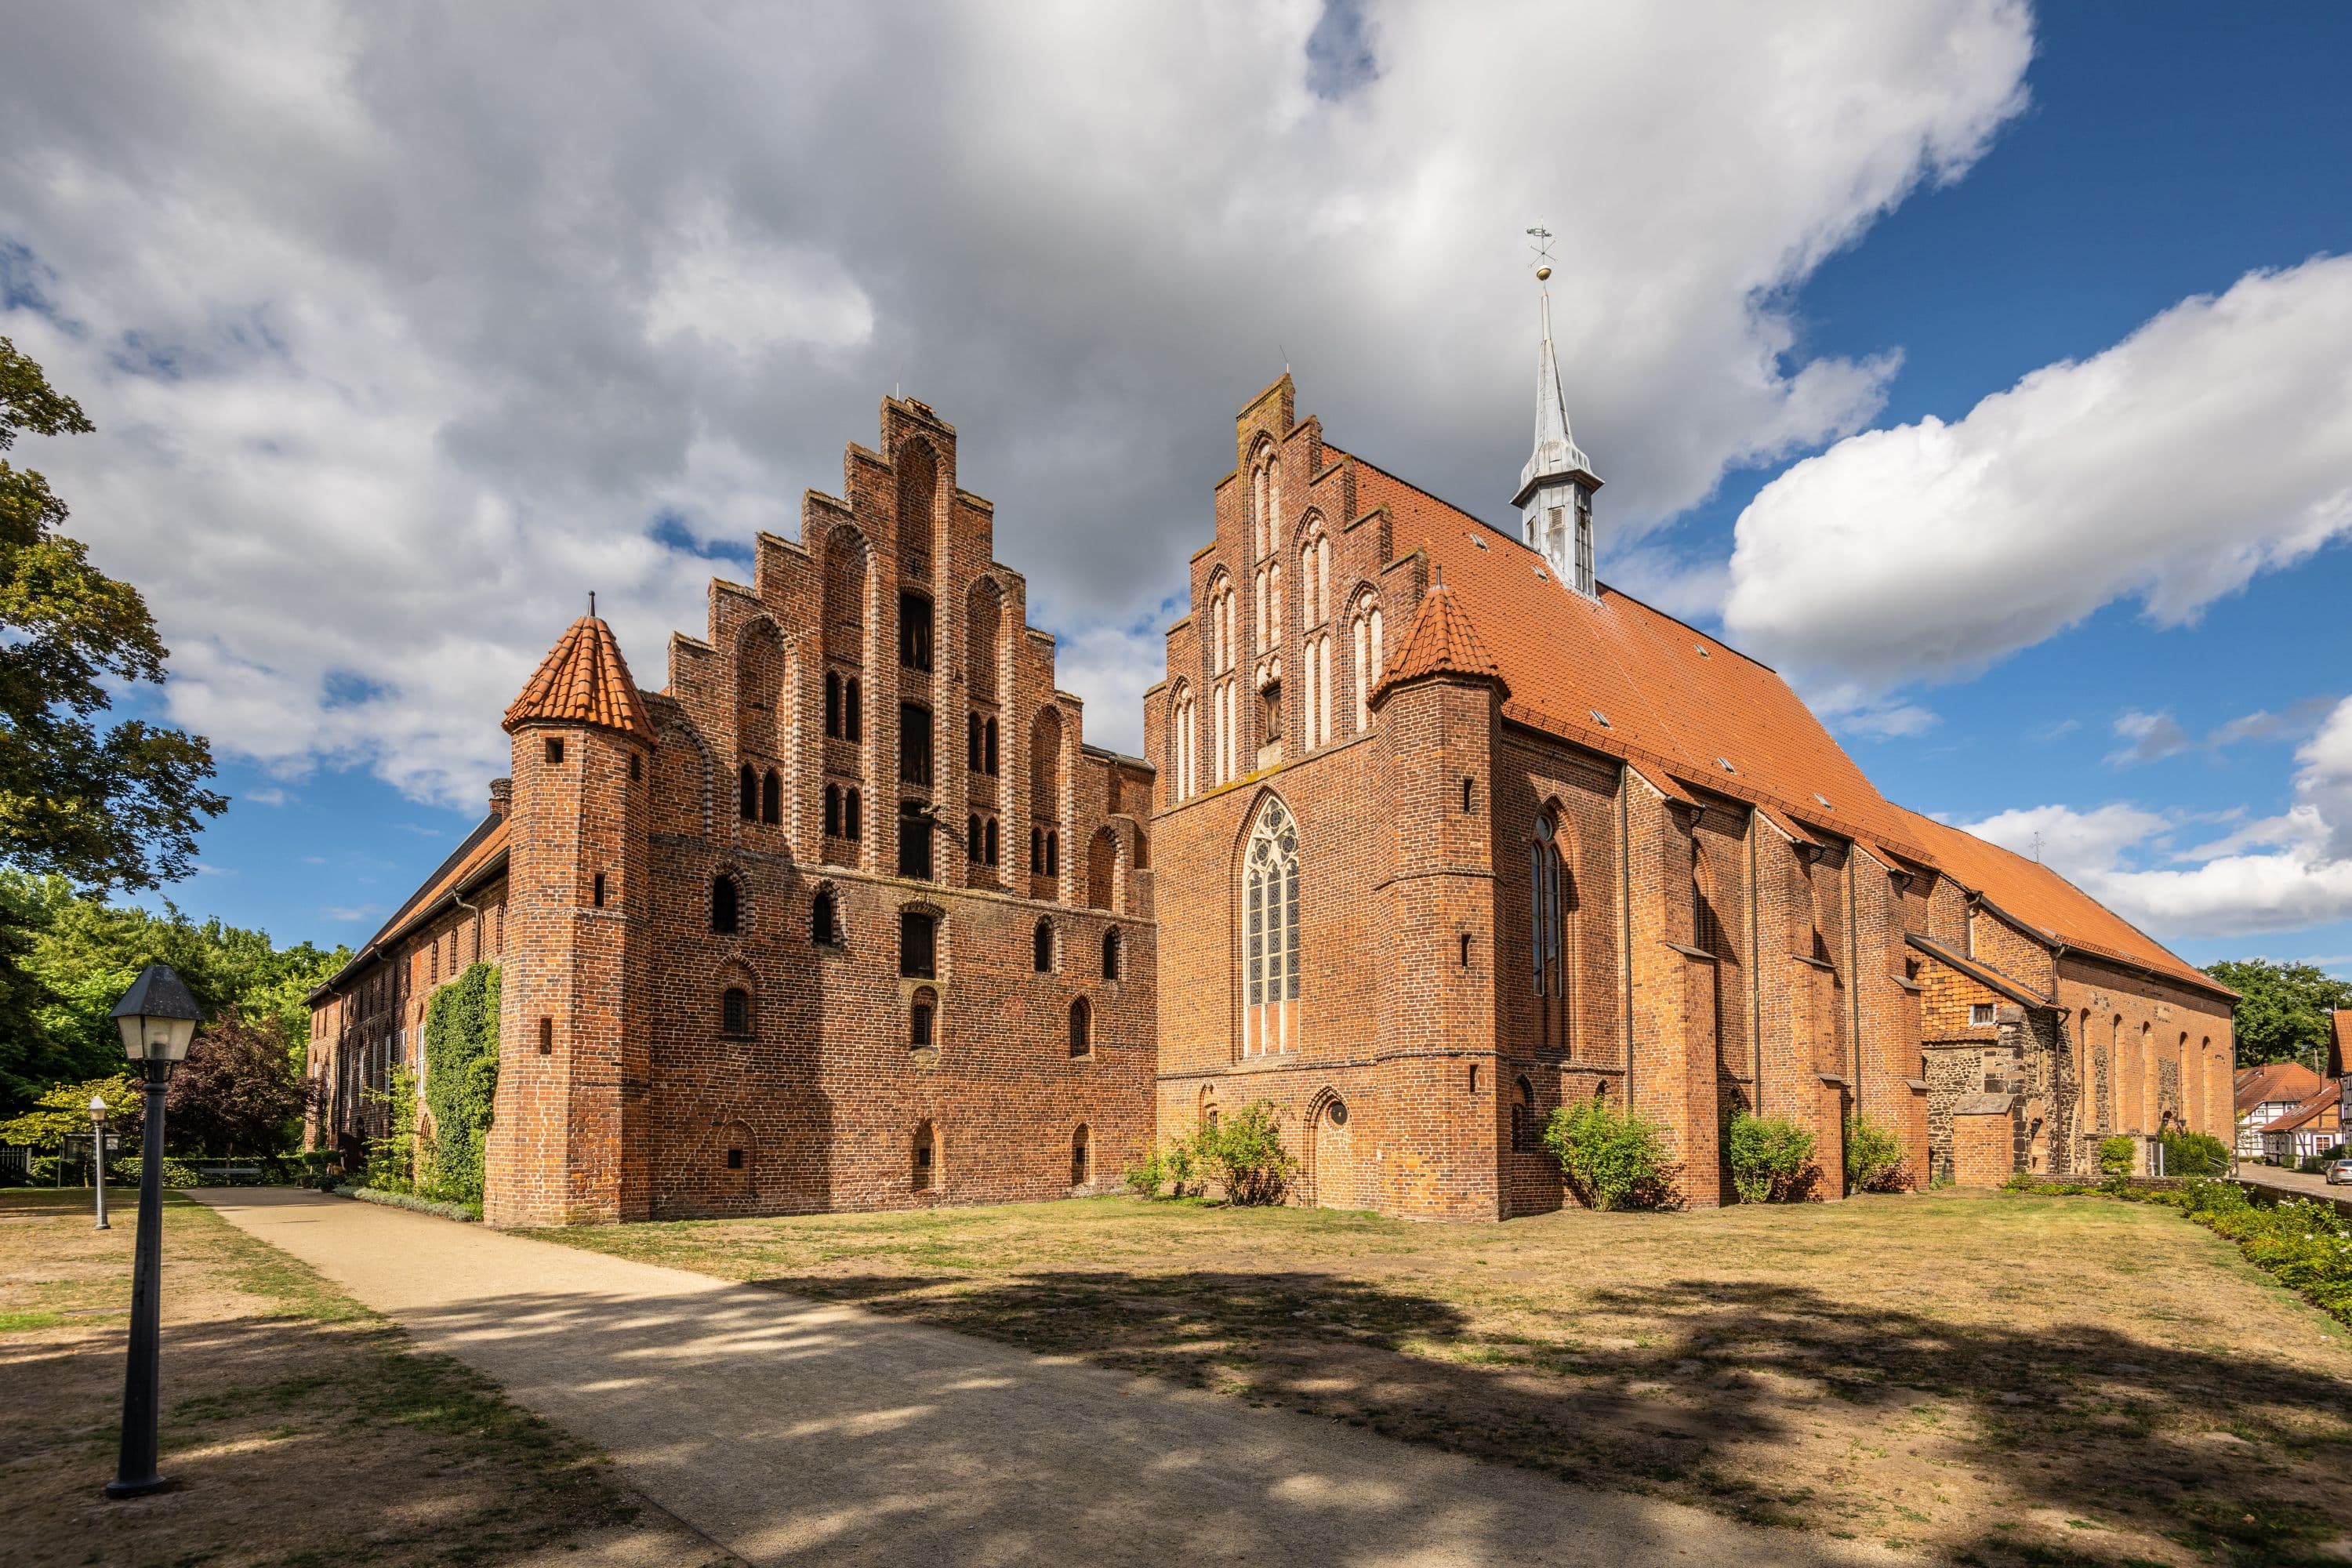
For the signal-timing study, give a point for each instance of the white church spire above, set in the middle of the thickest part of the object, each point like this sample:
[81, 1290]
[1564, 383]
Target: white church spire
[1555, 497]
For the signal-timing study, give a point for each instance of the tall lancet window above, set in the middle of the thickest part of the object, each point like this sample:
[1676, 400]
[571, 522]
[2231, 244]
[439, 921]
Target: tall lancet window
[1270, 934]
[1551, 897]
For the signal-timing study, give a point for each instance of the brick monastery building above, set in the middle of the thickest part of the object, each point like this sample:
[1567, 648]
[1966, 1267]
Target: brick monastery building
[1438, 833]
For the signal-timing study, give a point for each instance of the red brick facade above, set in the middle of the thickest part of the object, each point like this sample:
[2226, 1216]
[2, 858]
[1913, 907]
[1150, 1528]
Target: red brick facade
[1734, 902]
[1432, 842]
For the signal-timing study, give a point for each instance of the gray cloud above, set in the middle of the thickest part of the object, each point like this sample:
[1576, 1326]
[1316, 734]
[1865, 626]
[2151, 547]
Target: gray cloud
[405, 326]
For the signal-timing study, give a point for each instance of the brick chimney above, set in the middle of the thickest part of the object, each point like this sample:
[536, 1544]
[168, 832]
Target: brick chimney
[501, 797]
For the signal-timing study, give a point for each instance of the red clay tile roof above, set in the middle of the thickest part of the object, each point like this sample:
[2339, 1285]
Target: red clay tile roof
[1440, 641]
[2031, 892]
[2313, 1112]
[2274, 1081]
[2339, 1040]
[584, 680]
[1622, 677]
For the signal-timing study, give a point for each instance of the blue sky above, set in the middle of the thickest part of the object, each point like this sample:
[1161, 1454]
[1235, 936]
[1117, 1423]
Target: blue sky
[443, 382]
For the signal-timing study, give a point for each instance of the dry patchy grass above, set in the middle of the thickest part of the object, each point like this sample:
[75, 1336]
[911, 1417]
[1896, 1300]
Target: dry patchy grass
[1995, 1377]
[298, 1426]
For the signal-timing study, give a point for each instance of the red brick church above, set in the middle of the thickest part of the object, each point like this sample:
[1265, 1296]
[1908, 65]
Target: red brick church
[1438, 832]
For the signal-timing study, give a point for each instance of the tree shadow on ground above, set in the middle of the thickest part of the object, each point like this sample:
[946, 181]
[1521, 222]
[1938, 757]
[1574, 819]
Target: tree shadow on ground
[1775, 1403]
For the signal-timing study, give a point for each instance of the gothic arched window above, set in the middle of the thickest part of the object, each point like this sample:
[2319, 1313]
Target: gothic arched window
[1270, 934]
[771, 797]
[726, 906]
[1550, 894]
[746, 794]
[1082, 1029]
[1370, 656]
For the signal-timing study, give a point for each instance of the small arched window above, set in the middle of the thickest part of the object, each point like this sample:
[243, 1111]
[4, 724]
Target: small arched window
[825, 919]
[1053, 853]
[853, 815]
[746, 794]
[833, 811]
[1082, 1027]
[1112, 950]
[1041, 947]
[853, 709]
[1523, 1116]
[1081, 1157]
[972, 742]
[988, 748]
[922, 1019]
[771, 798]
[987, 837]
[1036, 851]
[971, 846]
[832, 704]
[735, 1011]
[726, 906]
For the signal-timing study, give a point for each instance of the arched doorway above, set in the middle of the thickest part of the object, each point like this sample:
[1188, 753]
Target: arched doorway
[1335, 1156]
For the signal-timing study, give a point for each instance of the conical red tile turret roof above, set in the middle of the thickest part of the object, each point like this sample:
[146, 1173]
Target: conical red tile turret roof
[1440, 641]
[584, 680]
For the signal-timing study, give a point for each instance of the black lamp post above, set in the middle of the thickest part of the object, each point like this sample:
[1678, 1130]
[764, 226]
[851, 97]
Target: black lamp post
[158, 1019]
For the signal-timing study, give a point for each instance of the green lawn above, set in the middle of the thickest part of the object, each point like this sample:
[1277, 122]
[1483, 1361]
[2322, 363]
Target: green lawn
[301, 1426]
[1994, 1376]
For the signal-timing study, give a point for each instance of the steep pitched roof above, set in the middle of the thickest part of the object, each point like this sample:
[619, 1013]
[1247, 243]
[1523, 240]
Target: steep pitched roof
[2309, 1114]
[2276, 1081]
[2050, 905]
[477, 859]
[1440, 641]
[1619, 676]
[2339, 1040]
[584, 680]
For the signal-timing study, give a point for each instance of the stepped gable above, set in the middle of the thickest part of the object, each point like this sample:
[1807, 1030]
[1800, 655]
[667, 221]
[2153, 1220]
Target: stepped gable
[1440, 641]
[1613, 674]
[2031, 892]
[584, 680]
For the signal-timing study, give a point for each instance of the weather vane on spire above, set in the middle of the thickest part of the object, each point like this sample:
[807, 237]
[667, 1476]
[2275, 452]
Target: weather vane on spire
[1542, 248]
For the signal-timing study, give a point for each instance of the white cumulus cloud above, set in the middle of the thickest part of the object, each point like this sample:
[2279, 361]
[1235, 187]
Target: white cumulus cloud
[2213, 444]
[406, 326]
[2272, 874]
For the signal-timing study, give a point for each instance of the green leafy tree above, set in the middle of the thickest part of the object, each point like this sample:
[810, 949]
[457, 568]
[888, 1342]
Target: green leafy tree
[84, 953]
[239, 1092]
[108, 807]
[65, 1108]
[2281, 1012]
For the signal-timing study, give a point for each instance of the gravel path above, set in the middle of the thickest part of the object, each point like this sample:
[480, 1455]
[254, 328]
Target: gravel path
[792, 1431]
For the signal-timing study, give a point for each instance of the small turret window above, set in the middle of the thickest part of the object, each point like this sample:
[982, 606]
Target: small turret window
[726, 906]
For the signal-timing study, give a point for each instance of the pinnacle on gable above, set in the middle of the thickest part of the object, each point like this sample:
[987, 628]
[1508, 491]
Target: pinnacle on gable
[584, 680]
[1440, 641]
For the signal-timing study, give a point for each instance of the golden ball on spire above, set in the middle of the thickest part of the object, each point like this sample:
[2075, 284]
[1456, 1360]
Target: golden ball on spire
[1542, 274]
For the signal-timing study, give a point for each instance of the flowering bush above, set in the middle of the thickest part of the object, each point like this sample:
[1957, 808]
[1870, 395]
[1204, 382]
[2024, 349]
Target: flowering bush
[2307, 1243]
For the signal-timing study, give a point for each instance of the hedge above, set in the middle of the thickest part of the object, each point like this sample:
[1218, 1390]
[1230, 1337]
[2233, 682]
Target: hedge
[409, 1201]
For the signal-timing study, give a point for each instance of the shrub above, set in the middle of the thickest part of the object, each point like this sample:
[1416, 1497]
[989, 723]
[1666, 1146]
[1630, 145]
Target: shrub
[126, 1170]
[1244, 1153]
[461, 1083]
[1145, 1180]
[2307, 1243]
[1875, 1160]
[1771, 1158]
[2116, 1156]
[1611, 1159]
[2195, 1154]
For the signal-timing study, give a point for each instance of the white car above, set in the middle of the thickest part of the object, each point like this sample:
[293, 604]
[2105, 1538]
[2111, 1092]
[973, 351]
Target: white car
[2339, 1173]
